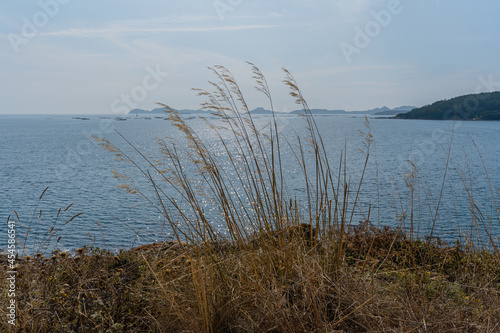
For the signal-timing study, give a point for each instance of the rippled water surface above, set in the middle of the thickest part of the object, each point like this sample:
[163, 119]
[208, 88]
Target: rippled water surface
[37, 152]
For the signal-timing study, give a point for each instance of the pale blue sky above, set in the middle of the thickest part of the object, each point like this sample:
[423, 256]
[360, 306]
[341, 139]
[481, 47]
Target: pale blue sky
[84, 57]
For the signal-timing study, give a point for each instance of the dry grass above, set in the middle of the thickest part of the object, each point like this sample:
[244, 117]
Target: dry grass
[283, 266]
[386, 283]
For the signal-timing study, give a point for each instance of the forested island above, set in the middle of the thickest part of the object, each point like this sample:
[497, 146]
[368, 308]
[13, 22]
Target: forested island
[484, 106]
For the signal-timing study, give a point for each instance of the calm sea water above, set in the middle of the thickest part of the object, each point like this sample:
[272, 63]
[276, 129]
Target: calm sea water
[37, 152]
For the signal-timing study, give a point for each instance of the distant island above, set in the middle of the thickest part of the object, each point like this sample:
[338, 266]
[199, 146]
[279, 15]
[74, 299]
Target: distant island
[383, 111]
[484, 106]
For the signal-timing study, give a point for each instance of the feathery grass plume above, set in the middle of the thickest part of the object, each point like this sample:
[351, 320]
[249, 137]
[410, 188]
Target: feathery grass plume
[249, 256]
[249, 192]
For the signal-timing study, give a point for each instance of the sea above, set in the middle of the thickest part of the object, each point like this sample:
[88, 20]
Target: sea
[444, 174]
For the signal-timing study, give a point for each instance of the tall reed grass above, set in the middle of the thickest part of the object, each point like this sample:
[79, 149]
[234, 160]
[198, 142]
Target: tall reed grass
[261, 260]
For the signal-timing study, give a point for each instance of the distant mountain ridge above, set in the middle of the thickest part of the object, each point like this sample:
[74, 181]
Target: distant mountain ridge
[484, 106]
[162, 111]
[260, 110]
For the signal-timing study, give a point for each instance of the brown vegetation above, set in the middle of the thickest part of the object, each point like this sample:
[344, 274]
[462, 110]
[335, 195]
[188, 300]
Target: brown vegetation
[385, 284]
[283, 266]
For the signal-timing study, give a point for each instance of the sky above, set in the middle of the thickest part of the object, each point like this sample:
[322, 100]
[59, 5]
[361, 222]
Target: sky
[104, 57]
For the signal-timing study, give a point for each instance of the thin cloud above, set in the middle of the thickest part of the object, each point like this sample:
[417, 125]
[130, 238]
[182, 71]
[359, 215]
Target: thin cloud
[113, 30]
[350, 69]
